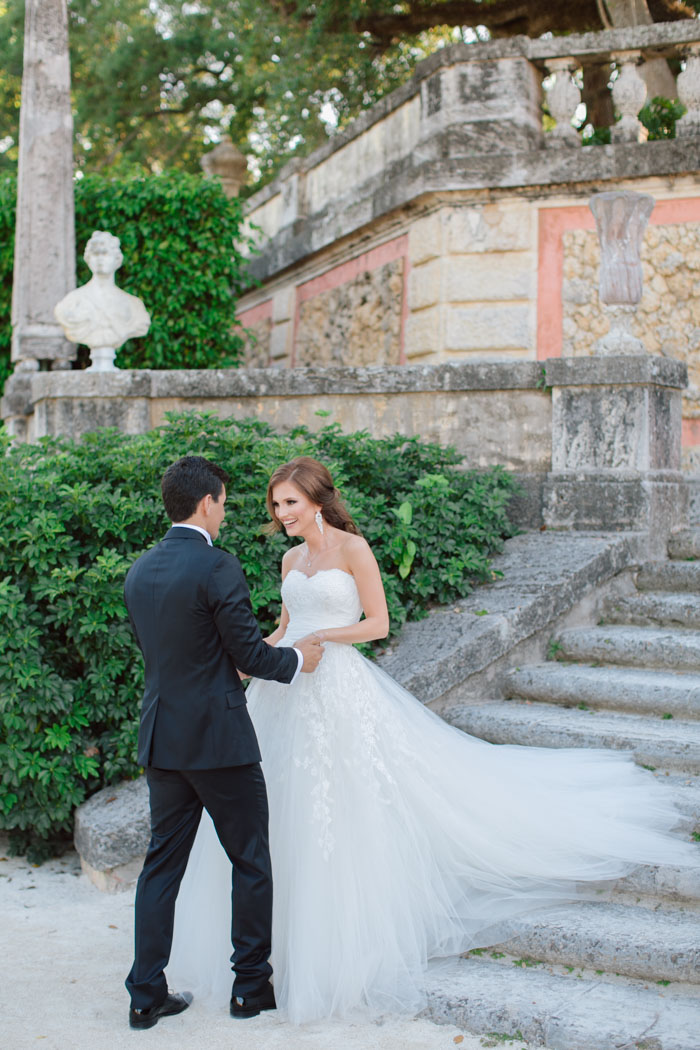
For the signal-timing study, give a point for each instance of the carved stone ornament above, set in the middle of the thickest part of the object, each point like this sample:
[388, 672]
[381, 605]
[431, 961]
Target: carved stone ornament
[227, 163]
[98, 314]
[563, 97]
[689, 93]
[629, 94]
[621, 218]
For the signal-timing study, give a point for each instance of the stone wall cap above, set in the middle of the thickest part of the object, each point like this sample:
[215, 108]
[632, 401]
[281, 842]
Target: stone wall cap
[81, 383]
[650, 370]
[544, 575]
[392, 379]
[22, 395]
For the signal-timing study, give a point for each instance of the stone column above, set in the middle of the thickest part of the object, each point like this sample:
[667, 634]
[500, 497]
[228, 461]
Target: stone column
[44, 268]
[44, 264]
[616, 445]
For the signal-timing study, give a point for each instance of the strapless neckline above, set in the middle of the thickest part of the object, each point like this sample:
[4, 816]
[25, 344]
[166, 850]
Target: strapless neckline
[318, 572]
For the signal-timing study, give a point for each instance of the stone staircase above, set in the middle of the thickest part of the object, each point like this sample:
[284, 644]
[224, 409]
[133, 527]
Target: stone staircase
[619, 971]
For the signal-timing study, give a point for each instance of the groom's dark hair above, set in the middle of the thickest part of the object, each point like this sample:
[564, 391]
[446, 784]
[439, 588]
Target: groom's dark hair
[189, 480]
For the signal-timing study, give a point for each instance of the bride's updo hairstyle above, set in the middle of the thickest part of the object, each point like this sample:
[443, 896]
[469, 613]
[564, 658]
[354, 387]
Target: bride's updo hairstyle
[315, 481]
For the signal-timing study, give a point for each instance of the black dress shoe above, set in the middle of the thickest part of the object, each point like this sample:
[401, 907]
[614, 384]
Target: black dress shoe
[174, 1003]
[251, 1005]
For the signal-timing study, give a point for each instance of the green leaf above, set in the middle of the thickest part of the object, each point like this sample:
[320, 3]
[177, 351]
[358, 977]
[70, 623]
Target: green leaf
[405, 513]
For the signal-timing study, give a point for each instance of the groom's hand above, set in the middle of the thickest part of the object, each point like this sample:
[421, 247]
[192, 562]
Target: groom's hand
[311, 648]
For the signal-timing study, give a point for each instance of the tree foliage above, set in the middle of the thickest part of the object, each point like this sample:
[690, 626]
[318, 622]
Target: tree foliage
[156, 84]
[76, 515]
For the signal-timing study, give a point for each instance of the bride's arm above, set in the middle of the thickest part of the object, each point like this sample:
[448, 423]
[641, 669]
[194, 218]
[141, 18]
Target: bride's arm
[363, 566]
[279, 631]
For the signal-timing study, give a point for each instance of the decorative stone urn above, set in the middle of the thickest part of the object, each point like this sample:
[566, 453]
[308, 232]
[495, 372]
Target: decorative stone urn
[621, 218]
[227, 163]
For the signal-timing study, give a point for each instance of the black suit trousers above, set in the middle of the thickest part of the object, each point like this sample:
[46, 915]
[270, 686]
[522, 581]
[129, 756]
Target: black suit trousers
[236, 800]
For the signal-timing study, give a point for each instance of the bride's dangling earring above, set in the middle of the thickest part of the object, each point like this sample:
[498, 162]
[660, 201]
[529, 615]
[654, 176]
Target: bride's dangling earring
[319, 521]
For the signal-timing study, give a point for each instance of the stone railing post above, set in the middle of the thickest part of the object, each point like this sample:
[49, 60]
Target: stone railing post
[621, 217]
[616, 445]
[688, 84]
[563, 97]
[629, 94]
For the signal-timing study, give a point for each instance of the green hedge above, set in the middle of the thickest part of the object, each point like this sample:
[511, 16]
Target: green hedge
[75, 516]
[180, 236]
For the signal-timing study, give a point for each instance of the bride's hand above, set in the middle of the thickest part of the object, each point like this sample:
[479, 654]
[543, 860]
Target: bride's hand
[311, 648]
[242, 675]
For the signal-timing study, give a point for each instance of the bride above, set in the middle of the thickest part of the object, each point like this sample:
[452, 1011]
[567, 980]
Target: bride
[394, 837]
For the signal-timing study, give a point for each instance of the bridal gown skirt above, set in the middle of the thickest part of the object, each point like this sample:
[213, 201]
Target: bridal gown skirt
[396, 838]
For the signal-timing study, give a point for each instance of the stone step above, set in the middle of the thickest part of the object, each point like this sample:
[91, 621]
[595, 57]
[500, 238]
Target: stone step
[674, 609]
[512, 1002]
[675, 649]
[658, 881]
[620, 688]
[684, 544]
[686, 798]
[671, 744]
[615, 938]
[669, 576]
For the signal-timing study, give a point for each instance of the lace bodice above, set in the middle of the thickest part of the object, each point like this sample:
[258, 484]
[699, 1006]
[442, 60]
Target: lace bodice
[329, 598]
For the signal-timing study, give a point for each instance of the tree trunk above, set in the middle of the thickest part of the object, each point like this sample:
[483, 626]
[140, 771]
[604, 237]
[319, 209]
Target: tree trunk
[596, 95]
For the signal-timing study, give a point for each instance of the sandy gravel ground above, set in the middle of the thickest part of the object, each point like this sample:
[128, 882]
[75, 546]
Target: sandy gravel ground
[66, 949]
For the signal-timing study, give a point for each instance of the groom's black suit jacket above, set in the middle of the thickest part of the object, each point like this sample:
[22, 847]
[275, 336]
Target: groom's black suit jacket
[190, 610]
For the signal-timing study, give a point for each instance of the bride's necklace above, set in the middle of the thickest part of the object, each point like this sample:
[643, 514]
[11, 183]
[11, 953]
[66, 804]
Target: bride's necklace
[310, 558]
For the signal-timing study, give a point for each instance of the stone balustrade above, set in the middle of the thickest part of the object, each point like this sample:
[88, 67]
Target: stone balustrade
[629, 90]
[466, 113]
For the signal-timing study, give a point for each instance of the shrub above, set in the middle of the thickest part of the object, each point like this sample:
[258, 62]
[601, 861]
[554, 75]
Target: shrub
[75, 516]
[179, 234]
[658, 116]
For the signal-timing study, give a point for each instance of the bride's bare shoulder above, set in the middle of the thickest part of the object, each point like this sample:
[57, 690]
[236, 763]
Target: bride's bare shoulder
[352, 542]
[289, 559]
[356, 548]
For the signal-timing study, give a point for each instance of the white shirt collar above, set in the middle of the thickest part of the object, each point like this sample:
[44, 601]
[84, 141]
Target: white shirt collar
[197, 528]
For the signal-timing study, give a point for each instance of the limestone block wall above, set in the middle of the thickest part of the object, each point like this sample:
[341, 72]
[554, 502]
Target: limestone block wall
[492, 413]
[445, 225]
[459, 284]
[473, 281]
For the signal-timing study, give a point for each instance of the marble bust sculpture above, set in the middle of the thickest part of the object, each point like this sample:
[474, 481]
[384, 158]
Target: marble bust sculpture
[99, 314]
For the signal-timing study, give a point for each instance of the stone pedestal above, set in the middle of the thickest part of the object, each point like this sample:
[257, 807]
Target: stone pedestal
[616, 445]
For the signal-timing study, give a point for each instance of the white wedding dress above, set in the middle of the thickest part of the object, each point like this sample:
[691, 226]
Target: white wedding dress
[396, 838]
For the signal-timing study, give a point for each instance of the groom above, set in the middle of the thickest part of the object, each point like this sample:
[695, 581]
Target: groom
[190, 611]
